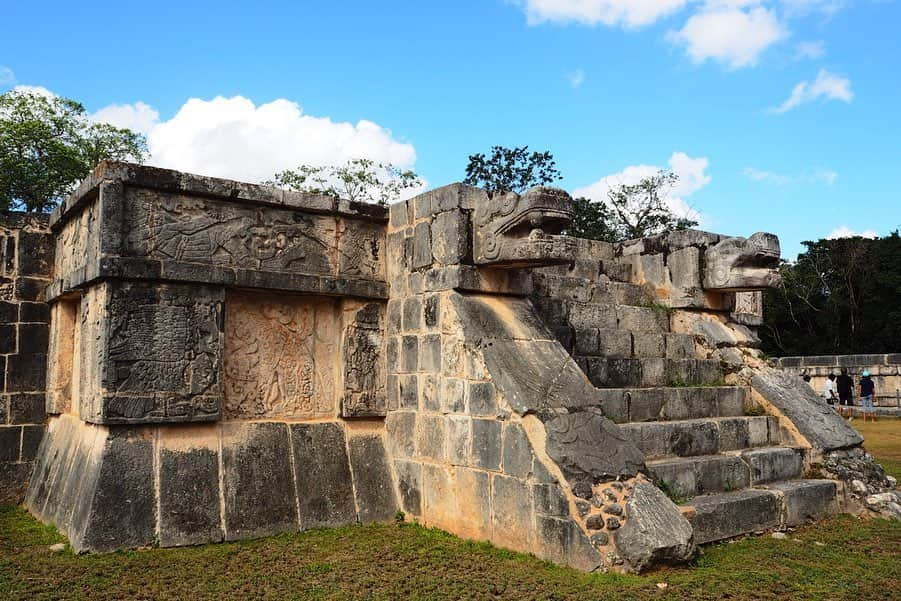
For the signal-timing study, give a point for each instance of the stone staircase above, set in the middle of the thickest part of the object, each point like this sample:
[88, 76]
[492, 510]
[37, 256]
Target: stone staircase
[732, 473]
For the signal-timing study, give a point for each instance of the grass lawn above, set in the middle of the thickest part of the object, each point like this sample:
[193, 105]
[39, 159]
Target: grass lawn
[883, 439]
[841, 558]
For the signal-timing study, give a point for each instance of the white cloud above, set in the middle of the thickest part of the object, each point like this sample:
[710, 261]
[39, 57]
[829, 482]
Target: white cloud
[760, 175]
[827, 85]
[810, 50]
[627, 13]
[825, 176]
[692, 177]
[139, 116]
[734, 33]
[40, 90]
[800, 8]
[237, 139]
[845, 232]
[7, 77]
[576, 78]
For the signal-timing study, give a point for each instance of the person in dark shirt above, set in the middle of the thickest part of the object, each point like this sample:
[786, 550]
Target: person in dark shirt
[867, 392]
[845, 386]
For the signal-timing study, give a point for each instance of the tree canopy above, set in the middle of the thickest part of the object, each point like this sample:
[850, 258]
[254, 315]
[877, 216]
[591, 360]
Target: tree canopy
[510, 170]
[841, 296]
[358, 179]
[48, 144]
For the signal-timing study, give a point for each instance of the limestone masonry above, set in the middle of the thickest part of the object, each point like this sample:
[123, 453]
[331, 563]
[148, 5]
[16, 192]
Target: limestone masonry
[227, 360]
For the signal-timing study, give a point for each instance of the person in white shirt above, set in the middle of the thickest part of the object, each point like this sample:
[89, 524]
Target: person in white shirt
[829, 390]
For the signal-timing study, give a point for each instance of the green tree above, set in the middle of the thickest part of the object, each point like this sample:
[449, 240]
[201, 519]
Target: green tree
[47, 145]
[358, 179]
[630, 211]
[640, 210]
[510, 170]
[592, 220]
[840, 296]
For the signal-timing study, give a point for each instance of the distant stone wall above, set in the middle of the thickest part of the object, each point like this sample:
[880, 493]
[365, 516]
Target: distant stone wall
[26, 256]
[885, 370]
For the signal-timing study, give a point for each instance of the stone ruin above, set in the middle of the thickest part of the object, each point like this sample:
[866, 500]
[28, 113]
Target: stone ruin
[227, 360]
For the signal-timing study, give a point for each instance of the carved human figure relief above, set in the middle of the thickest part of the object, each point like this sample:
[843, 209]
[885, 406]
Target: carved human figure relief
[279, 355]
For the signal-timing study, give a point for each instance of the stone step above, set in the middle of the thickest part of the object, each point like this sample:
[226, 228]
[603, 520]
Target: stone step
[769, 464]
[625, 344]
[779, 505]
[641, 373]
[687, 477]
[707, 436]
[730, 514]
[672, 403]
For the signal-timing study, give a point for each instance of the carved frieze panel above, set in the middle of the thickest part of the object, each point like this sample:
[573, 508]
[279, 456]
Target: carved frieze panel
[199, 230]
[78, 242]
[361, 246]
[163, 353]
[364, 363]
[280, 356]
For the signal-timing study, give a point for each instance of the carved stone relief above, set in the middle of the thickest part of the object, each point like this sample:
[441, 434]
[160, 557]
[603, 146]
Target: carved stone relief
[280, 356]
[164, 353]
[364, 364]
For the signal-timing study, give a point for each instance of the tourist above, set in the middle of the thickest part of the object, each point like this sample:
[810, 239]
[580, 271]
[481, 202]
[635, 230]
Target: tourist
[867, 391]
[829, 390]
[845, 386]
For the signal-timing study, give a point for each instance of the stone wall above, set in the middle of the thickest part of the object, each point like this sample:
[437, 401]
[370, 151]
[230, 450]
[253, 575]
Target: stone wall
[216, 362]
[26, 256]
[885, 371]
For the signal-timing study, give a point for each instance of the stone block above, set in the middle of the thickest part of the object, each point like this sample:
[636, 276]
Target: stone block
[10, 443]
[649, 344]
[8, 338]
[257, 480]
[645, 404]
[452, 362]
[586, 341]
[123, 511]
[409, 354]
[14, 480]
[430, 353]
[653, 371]
[33, 338]
[511, 513]
[26, 408]
[770, 464]
[401, 433]
[453, 395]
[684, 268]
[459, 439]
[409, 391]
[641, 319]
[9, 312]
[422, 246]
[412, 314]
[473, 493]
[482, 398]
[730, 514]
[29, 289]
[430, 392]
[189, 486]
[622, 373]
[372, 479]
[550, 500]
[430, 311]
[439, 502]
[26, 372]
[486, 444]
[680, 346]
[409, 485]
[34, 312]
[322, 475]
[592, 316]
[431, 437]
[806, 500]
[562, 541]
[517, 451]
[449, 237]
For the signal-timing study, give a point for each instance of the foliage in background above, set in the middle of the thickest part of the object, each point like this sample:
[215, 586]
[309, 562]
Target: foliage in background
[47, 145]
[630, 211]
[360, 180]
[510, 170]
[841, 296]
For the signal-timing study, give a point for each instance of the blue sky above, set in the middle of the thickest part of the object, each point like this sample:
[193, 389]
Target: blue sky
[780, 116]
